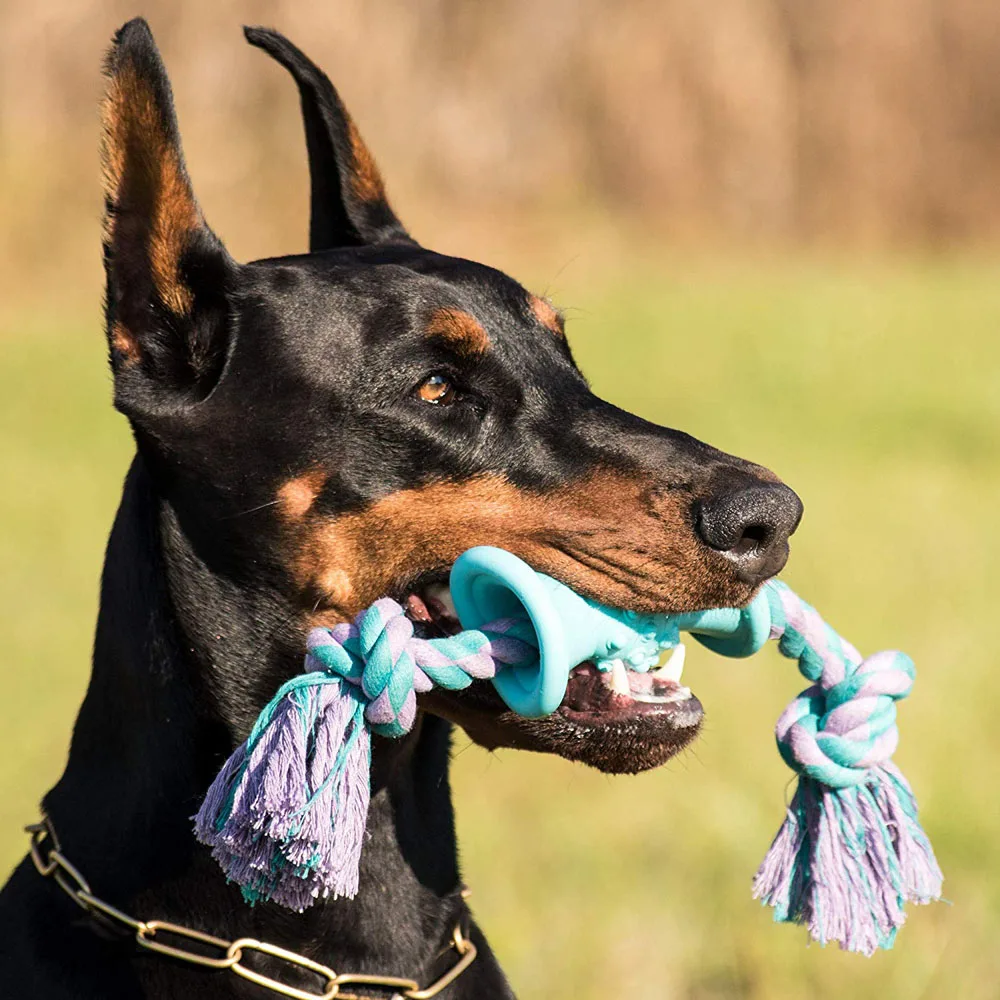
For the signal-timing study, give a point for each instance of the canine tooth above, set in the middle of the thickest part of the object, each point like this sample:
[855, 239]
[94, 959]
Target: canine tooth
[674, 667]
[441, 592]
[617, 678]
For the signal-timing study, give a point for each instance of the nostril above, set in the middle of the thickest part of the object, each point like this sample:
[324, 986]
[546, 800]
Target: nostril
[754, 538]
[750, 524]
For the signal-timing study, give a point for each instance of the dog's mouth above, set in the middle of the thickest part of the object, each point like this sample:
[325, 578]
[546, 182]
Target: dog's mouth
[617, 719]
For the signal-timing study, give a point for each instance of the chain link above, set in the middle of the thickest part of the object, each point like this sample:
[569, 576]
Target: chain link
[155, 935]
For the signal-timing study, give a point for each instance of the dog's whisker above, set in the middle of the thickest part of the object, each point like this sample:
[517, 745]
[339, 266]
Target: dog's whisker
[559, 273]
[252, 510]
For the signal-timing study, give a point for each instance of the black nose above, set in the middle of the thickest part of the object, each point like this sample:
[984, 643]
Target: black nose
[750, 524]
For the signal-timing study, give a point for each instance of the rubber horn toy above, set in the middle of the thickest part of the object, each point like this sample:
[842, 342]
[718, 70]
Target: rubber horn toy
[490, 584]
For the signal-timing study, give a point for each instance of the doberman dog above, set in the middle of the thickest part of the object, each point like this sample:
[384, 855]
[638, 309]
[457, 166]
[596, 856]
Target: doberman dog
[312, 433]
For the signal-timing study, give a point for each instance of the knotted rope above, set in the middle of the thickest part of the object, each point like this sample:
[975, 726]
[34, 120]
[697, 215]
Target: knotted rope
[285, 817]
[851, 851]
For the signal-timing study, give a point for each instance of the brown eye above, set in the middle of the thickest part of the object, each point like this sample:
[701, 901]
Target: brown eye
[437, 389]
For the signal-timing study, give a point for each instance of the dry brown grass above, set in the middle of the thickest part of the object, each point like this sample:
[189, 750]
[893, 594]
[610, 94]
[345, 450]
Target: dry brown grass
[742, 121]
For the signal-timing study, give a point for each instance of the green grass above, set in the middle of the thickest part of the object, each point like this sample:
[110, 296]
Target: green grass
[875, 392]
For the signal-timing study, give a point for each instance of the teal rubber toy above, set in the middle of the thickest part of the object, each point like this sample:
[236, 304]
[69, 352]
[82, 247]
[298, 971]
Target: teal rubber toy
[488, 583]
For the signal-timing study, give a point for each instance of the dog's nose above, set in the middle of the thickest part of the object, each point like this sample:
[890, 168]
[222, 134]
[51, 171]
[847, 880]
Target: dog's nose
[750, 524]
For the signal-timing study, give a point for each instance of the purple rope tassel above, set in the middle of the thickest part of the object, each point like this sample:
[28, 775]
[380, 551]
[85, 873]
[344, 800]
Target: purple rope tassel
[286, 816]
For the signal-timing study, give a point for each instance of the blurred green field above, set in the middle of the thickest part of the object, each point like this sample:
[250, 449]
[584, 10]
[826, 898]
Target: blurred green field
[874, 390]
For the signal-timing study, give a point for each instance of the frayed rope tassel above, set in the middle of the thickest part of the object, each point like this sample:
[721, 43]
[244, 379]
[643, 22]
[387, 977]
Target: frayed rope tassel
[851, 851]
[286, 815]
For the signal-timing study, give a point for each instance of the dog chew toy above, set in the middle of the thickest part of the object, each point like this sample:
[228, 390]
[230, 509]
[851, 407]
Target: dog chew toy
[286, 816]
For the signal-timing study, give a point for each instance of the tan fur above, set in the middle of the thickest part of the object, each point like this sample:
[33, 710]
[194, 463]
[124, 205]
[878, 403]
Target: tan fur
[366, 181]
[547, 315]
[462, 332]
[125, 344]
[610, 536]
[143, 174]
[296, 497]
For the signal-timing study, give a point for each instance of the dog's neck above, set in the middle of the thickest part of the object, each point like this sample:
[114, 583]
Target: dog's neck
[163, 711]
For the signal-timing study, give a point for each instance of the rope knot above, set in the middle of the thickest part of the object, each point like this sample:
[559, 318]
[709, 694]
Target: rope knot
[387, 665]
[845, 724]
[375, 655]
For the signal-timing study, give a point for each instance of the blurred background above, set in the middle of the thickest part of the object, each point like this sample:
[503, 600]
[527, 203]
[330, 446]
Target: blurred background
[773, 224]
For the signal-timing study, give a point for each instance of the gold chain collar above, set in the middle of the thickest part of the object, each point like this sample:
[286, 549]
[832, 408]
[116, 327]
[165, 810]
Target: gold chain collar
[50, 862]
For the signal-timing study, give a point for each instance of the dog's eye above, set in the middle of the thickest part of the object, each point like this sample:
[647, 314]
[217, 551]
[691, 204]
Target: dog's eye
[437, 389]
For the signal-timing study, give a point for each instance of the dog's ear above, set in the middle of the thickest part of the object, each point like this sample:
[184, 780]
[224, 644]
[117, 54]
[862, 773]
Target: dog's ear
[348, 203]
[167, 274]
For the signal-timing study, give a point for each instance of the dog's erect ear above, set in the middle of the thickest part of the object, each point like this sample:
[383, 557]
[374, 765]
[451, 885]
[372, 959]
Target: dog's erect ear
[348, 202]
[167, 273]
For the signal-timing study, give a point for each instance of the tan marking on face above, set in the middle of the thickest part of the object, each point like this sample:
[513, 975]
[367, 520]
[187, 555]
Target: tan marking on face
[124, 343]
[366, 181]
[609, 536]
[296, 497]
[462, 332]
[547, 315]
[336, 585]
[144, 179]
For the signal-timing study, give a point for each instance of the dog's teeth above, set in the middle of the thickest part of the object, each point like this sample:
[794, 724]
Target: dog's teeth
[617, 678]
[677, 694]
[674, 667]
[441, 593]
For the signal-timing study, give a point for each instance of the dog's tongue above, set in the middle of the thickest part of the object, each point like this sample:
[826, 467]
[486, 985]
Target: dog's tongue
[432, 614]
[416, 608]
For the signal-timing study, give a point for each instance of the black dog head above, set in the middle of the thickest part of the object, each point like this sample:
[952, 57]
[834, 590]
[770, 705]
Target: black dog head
[329, 428]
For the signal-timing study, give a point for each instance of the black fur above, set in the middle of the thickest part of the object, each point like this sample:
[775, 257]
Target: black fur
[303, 363]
